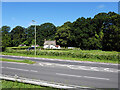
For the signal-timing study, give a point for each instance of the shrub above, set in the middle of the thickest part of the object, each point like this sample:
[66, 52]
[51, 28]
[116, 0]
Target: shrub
[2, 49]
[114, 57]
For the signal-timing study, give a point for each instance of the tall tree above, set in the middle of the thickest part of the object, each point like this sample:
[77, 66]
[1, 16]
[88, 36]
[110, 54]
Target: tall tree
[64, 35]
[30, 34]
[6, 38]
[45, 31]
[111, 29]
[111, 39]
[18, 35]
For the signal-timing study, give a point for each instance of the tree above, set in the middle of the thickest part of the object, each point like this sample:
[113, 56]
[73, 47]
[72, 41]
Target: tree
[83, 30]
[93, 43]
[111, 39]
[18, 35]
[111, 29]
[30, 33]
[64, 35]
[100, 32]
[6, 37]
[45, 31]
[25, 43]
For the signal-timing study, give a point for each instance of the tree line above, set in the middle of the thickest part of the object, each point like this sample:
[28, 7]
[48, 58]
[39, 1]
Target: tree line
[101, 32]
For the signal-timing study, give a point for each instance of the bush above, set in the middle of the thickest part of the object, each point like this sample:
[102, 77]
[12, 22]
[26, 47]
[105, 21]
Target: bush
[3, 48]
[114, 57]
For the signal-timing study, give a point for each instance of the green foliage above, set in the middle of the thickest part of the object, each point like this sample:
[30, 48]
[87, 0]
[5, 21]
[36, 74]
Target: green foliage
[33, 42]
[44, 31]
[18, 35]
[30, 34]
[101, 32]
[94, 43]
[6, 37]
[18, 48]
[21, 48]
[2, 48]
[19, 61]
[111, 39]
[25, 43]
[100, 55]
[64, 35]
[6, 84]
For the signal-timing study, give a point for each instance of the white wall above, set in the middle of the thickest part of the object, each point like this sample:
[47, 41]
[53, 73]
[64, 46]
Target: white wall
[51, 47]
[45, 46]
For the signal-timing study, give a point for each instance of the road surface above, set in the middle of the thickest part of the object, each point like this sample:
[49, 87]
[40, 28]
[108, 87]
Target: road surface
[87, 74]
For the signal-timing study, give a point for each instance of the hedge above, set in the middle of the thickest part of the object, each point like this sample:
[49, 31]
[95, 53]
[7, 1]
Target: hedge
[114, 57]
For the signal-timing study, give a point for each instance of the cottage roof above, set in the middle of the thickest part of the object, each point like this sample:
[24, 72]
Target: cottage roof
[50, 43]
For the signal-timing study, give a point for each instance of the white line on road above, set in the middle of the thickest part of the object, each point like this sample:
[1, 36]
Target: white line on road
[82, 76]
[20, 69]
[68, 75]
[95, 68]
[33, 71]
[77, 67]
[40, 82]
[14, 62]
[107, 69]
[96, 78]
[17, 69]
[74, 67]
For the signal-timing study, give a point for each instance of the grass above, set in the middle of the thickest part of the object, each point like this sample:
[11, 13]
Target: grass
[86, 51]
[64, 58]
[68, 54]
[76, 50]
[20, 61]
[14, 85]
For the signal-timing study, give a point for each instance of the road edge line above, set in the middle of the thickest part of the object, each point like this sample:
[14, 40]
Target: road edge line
[39, 82]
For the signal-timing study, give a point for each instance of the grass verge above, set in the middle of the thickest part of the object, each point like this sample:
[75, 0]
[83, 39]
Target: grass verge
[20, 61]
[64, 58]
[18, 85]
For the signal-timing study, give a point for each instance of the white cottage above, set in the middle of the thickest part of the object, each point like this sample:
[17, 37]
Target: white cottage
[51, 45]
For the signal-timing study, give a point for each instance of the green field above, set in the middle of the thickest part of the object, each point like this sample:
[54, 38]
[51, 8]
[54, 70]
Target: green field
[18, 85]
[66, 54]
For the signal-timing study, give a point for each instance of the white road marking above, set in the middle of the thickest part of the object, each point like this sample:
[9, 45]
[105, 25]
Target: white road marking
[14, 62]
[40, 82]
[82, 76]
[48, 63]
[33, 71]
[77, 67]
[94, 68]
[68, 75]
[20, 69]
[84, 68]
[17, 69]
[96, 78]
[41, 64]
[107, 69]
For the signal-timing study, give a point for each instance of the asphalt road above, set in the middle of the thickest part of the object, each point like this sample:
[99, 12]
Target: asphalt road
[68, 62]
[70, 73]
